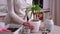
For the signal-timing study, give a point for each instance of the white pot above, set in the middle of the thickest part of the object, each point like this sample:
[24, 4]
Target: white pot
[36, 25]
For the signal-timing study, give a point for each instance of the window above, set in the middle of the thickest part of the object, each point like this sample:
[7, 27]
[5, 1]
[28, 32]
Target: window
[40, 2]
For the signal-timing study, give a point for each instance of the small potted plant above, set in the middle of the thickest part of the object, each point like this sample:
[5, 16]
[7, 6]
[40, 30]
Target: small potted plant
[37, 14]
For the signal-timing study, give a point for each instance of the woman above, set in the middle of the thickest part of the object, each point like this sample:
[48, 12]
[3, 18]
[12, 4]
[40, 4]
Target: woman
[17, 11]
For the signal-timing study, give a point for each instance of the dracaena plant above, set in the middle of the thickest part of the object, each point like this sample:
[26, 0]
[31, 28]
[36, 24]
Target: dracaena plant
[35, 8]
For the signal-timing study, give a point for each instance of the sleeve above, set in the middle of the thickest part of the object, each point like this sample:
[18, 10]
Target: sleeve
[29, 2]
[12, 13]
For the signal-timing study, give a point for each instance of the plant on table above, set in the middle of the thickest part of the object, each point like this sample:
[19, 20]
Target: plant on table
[36, 12]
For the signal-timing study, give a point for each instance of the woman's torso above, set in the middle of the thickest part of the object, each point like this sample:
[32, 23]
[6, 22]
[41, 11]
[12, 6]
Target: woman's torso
[20, 8]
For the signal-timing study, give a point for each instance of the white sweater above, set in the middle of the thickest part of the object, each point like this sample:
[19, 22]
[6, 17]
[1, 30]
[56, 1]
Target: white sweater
[17, 15]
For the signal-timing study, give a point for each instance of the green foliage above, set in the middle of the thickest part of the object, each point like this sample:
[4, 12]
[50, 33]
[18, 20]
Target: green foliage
[35, 8]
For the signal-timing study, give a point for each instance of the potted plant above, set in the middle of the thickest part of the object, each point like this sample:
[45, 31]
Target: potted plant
[35, 21]
[37, 14]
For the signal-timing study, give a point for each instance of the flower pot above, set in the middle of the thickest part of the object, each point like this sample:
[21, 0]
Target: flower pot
[36, 24]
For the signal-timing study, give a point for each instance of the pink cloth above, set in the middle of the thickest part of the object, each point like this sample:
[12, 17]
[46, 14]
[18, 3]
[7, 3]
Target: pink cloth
[4, 30]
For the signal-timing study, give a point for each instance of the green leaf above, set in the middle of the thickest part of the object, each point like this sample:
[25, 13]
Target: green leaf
[35, 8]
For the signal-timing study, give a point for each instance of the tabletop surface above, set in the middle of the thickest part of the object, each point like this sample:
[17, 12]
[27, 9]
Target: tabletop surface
[56, 31]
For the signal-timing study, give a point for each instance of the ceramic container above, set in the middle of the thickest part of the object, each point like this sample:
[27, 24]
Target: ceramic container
[36, 25]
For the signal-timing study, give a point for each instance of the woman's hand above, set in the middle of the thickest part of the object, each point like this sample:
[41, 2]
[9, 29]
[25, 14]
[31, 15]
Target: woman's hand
[31, 27]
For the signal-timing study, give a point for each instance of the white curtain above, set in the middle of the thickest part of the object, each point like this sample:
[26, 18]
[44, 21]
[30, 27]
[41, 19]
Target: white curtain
[54, 7]
[55, 10]
[46, 6]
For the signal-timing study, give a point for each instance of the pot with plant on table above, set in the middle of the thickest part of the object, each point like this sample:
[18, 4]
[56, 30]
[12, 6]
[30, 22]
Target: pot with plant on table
[37, 17]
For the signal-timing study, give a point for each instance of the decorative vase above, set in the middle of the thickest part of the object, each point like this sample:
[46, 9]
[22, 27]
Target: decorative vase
[49, 24]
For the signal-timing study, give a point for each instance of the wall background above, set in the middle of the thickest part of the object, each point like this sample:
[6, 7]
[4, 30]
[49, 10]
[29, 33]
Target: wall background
[3, 6]
[3, 2]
